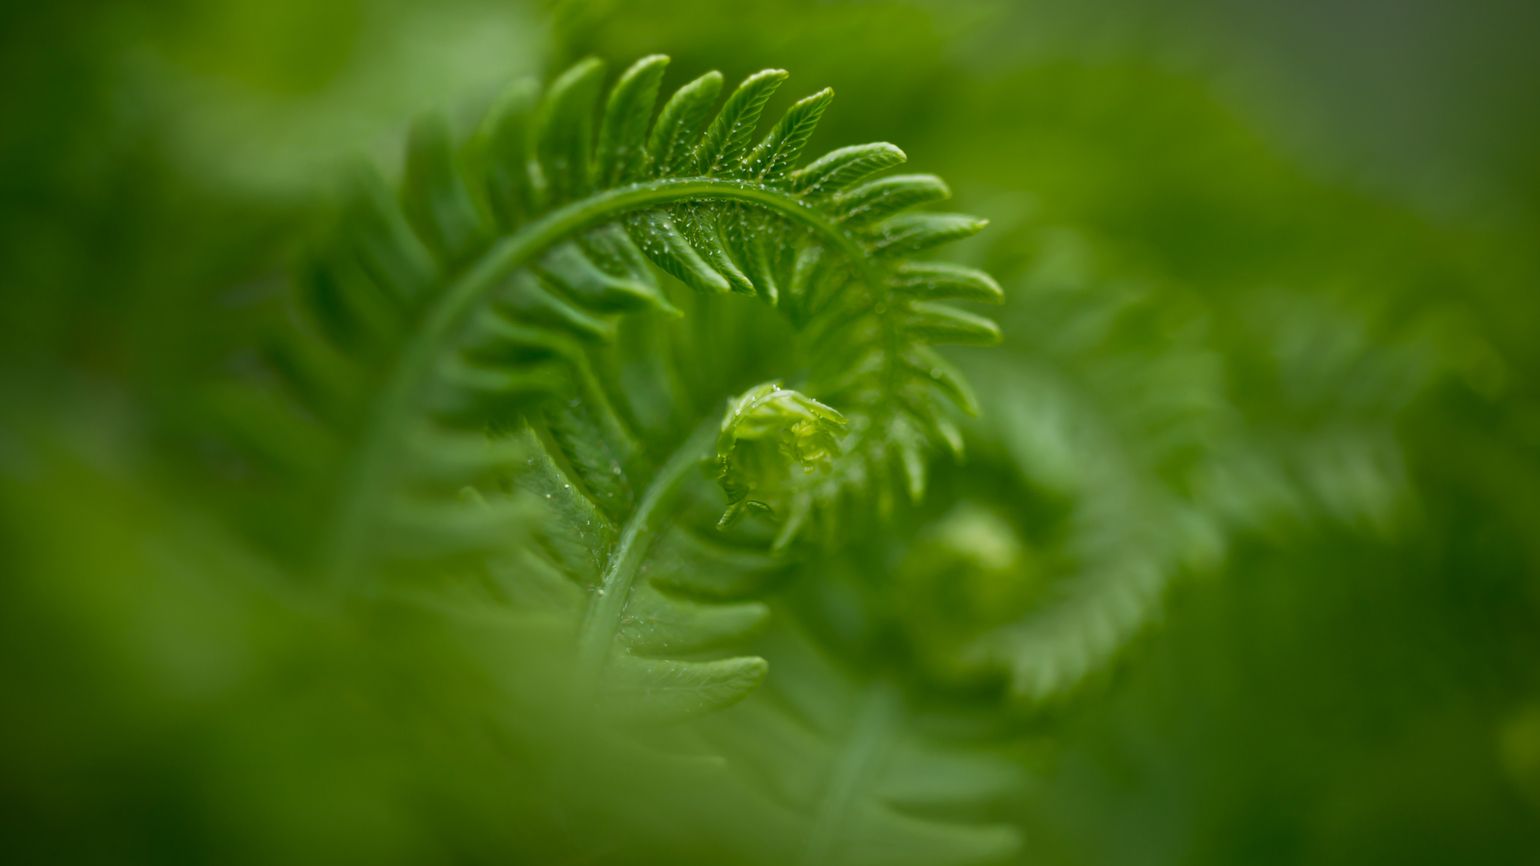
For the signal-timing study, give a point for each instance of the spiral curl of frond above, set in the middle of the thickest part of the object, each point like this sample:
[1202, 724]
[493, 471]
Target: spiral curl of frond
[472, 298]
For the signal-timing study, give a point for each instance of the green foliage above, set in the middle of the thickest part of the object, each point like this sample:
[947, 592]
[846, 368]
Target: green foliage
[882, 776]
[616, 481]
[481, 297]
[1147, 464]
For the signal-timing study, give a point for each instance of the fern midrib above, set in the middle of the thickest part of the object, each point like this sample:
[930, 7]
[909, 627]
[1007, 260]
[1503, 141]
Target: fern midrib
[868, 734]
[601, 622]
[362, 482]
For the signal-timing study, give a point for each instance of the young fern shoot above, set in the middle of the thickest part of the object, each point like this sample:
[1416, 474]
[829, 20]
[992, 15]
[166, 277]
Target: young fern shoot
[773, 443]
[488, 296]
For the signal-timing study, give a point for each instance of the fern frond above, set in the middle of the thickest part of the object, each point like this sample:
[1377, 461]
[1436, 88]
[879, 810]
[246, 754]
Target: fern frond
[1116, 424]
[632, 582]
[487, 290]
[877, 778]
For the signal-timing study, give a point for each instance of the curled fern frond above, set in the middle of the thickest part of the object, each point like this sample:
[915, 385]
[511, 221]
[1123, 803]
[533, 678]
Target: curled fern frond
[481, 295]
[772, 441]
[513, 366]
[1120, 426]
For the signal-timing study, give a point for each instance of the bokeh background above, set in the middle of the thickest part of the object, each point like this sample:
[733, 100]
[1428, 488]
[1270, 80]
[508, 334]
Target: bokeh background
[1275, 297]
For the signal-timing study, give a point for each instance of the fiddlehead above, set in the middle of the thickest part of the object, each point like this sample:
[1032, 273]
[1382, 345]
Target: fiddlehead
[511, 287]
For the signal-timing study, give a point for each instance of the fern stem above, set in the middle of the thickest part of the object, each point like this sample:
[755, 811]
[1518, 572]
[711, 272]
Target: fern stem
[874, 720]
[602, 619]
[444, 317]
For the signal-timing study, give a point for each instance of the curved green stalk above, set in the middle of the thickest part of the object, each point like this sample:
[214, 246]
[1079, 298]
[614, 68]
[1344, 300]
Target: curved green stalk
[875, 718]
[602, 618]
